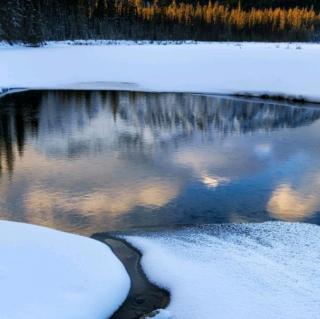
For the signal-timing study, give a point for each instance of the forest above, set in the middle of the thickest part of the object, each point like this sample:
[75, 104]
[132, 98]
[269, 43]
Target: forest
[35, 21]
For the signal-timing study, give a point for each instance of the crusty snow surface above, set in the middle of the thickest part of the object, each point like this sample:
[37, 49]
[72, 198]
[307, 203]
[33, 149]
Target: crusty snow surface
[54, 275]
[289, 70]
[244, 271]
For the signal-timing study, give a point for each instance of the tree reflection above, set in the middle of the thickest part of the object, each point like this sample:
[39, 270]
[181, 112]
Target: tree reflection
[18, 117]
[92, 161]
[132, 121]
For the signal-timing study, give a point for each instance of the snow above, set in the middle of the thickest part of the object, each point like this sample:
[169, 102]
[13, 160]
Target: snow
[249, 271]
[159, 314]
[275, 69]
[50, 274]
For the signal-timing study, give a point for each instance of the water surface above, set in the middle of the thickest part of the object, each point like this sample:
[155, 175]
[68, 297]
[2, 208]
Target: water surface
[90, 162]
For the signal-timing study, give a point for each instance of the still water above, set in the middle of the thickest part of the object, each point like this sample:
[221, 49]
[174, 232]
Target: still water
[90, 162]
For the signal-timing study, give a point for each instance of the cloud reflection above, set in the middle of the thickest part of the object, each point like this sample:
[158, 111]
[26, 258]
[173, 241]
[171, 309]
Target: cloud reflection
[214, 181]
[88, 162]
[45, 206]
[287, 203]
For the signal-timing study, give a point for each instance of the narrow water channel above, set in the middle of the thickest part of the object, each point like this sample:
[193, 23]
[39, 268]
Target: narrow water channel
[144, 297]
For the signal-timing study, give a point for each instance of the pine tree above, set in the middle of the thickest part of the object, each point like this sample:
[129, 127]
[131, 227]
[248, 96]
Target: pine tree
[100, 9]
[32, 25]
[82, 20]
[33, 21]
[10, 20]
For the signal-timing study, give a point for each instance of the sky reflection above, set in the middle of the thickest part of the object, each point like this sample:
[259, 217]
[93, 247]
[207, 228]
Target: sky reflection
[91, 162]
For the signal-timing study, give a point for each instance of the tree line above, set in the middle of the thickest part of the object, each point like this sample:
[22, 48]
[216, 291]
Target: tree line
[35, 21]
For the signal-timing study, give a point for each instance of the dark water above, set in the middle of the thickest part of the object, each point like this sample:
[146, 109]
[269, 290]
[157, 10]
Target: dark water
[92, 162]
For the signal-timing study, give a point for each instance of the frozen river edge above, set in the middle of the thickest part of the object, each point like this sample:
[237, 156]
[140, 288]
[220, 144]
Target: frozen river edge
[266, 269]
[261, 97]
[273, 70]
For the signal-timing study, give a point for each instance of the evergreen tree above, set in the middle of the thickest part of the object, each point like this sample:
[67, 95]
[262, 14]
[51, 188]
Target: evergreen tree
[10, 20]
[32, 25]
[100, 10]
[34, 21]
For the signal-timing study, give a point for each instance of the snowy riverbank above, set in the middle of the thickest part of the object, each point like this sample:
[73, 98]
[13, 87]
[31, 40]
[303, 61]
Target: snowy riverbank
[286, 70]
[247, 271]
[50, 274]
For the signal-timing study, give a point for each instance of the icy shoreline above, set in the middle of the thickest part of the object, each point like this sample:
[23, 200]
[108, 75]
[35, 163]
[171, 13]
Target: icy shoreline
[275, 70]
[267, 270]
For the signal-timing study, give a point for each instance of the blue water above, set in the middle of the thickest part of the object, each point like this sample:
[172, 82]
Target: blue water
[88, 162]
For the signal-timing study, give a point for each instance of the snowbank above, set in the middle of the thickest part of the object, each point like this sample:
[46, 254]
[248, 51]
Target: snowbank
[247, 271]
[50, 274]
[287, 70]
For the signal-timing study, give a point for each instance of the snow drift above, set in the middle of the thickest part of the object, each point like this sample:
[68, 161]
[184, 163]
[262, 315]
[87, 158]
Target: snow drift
[278, 70]
[244, 271]
[49, 274]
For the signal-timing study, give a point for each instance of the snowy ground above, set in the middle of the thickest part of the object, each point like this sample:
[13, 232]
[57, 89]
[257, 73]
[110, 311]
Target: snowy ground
[49, 274]
[246, 271]
[288, 70]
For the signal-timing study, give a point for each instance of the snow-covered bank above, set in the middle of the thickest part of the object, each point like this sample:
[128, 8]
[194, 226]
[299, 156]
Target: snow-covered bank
[5, 91]
[49, 274]
[247, 271]
[287, 70]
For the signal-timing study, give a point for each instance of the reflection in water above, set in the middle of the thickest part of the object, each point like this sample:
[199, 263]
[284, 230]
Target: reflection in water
[287, 203]
[88, 162]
